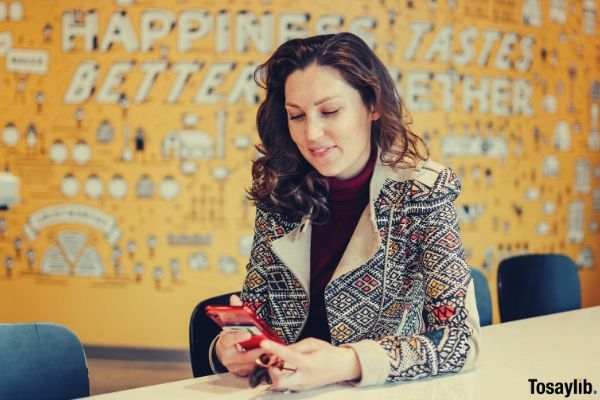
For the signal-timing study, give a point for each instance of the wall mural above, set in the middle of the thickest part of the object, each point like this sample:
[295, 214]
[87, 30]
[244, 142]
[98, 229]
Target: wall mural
[127, 134]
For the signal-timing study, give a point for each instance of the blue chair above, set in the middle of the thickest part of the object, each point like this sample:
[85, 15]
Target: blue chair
[482, 296]
[202, 332]
[41, 361]
[537, 284]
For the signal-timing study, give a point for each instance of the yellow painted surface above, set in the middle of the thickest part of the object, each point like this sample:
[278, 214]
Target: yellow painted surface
[117, 308]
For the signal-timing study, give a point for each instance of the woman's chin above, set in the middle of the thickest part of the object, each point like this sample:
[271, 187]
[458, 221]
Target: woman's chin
[325, 167]
[325, 170]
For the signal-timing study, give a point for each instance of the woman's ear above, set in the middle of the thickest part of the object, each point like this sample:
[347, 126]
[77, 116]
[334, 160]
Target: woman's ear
[375, 115]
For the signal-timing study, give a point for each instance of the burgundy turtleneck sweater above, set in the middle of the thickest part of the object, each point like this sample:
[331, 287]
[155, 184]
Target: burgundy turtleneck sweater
[347, 199]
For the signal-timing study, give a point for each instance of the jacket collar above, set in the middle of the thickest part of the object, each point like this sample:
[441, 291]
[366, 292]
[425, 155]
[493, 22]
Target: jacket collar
[293, 249]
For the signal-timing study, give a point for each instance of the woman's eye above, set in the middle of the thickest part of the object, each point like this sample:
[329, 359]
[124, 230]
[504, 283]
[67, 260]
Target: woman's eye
[293, 117]
[329, 112]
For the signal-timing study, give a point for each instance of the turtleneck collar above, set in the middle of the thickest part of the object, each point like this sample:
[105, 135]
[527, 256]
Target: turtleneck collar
[345, 190]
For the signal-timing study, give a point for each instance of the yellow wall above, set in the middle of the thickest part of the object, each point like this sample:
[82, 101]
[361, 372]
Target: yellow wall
[527, 150]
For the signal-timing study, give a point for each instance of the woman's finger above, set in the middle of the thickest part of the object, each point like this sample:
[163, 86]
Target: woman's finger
[288, 355]
[249, 357]
[235, 300]
[308, 345]
[282, 379]
[231, 357]
[241, 370]
[231, 338]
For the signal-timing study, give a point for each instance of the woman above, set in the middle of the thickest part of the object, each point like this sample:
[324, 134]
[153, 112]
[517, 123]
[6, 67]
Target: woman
[357, 261]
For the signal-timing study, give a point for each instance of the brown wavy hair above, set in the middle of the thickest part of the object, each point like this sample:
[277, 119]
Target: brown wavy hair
[283, 181]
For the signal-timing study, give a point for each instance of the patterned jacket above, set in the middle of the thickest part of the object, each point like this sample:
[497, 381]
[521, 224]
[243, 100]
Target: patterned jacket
[402, 295]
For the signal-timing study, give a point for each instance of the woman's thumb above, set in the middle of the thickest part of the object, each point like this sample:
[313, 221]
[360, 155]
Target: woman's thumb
[234, 300]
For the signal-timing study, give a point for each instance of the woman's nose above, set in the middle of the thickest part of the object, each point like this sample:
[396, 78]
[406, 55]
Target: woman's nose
[313, 129]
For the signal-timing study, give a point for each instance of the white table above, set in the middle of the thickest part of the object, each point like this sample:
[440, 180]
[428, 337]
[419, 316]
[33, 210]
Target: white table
[554, 348]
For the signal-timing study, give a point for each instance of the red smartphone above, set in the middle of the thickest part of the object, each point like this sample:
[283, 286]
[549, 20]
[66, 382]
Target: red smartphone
[242, 318]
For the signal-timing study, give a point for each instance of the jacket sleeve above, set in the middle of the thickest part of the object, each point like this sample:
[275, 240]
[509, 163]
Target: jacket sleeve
[254, 290]
[450, 340]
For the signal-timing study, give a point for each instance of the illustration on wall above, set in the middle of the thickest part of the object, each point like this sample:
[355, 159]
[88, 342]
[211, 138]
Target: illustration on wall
[127, 132]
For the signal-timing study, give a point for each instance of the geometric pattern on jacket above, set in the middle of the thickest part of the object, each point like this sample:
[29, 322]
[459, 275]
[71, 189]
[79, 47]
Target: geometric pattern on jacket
[409, 296]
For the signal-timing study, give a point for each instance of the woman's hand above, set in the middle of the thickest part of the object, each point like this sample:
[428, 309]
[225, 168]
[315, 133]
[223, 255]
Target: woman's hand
[317, 363]
[237, 360]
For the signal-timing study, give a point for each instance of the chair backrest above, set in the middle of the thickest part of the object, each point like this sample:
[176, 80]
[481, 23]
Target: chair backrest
[202, 331]
[41, 361]
[482, 296]
[537, 284]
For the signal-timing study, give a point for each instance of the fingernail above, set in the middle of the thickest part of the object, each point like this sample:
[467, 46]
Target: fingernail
[260, 363]
[275, 361]
[264, 358]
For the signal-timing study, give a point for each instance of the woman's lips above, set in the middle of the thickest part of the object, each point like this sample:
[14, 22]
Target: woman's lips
[319, 152]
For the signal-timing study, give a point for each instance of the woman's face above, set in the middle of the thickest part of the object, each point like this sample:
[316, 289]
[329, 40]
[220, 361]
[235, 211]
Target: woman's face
[328, 121]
